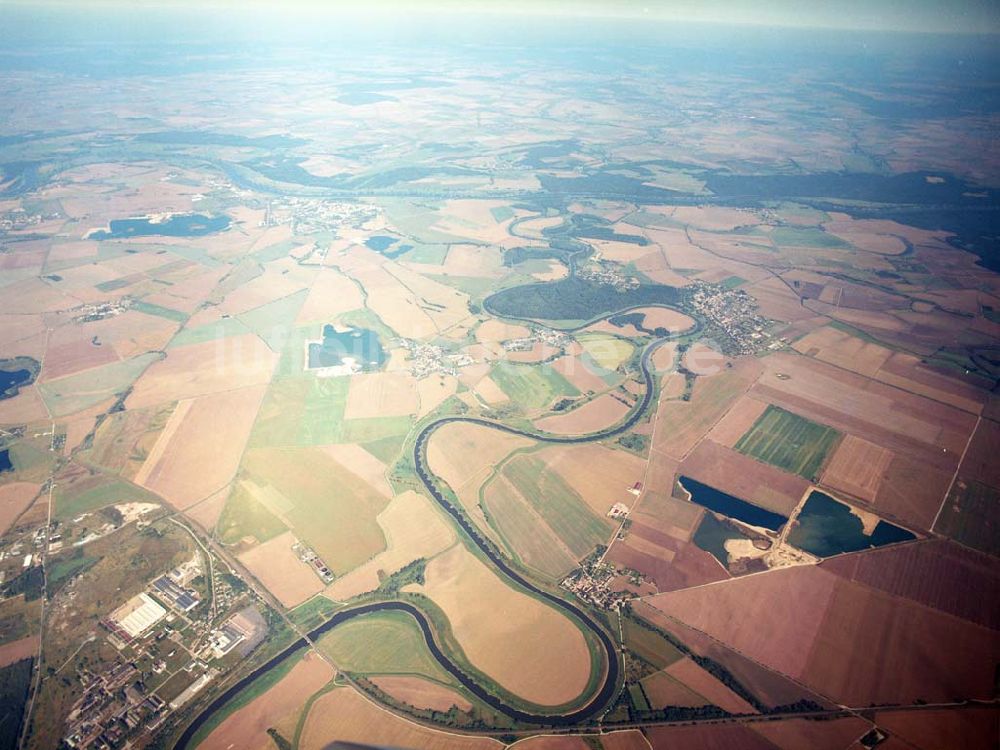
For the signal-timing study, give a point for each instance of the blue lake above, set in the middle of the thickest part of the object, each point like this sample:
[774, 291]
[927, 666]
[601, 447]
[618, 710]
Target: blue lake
[733, 507]
[11, 380]
[5, 462]
[359, 344]
[826, 527]
[180, 225]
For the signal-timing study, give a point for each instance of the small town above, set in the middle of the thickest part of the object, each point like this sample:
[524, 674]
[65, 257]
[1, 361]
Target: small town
[171, 646]
[607, 273]
[735, 313]
[428, 359]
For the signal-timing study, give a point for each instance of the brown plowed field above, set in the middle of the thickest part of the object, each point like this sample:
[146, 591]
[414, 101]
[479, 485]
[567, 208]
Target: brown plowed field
[662, 690]
[715, 737]
[15, 498]
[770, 688]
[807, 623]
[552, 742]
[857, 467]
[247, 726]
[344, 715]
[421, 693]
[972, 728]
[737, 421]
[697, 679]
[629, 739]
[603, 411]
[670, 568]
[798, 734]
[936, 573]
[742, 476]
[579, 374]
[19, 649]
[981, 462]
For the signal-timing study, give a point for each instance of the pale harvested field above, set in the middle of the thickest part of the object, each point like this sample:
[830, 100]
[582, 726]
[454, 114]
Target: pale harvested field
[247, 727]
[445, 306]
[362, 464]
[412, 529]
[474, 261]
[473, 219]
[490, 392]
[701, 682]
[579, 374]
[601, 476]
[857, 467]
[344, 715]
[662, 317]
[871, 235]
[737, 421]
[603, 411]
[779, 302]
[842, 349]
[14, 500]
[465, 454]
[907, 372]
[673, 386]
[856, 405]
[26, 406]
[330, 295]
[433, 391]
[714, 218]
[382, 394]
[526, 646]
[681, 424]
[206, 513]
[493, 330]
[392, 302]
[17, 650]
[623, 252]
[277, 567]
[199, 450]
[270, 286]
[421, 693]
[199, 369]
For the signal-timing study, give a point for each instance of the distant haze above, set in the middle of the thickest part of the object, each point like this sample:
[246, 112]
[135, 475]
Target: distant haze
[921, 16]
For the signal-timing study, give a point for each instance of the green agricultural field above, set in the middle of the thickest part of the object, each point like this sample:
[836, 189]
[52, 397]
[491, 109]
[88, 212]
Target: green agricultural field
[607, 351]
[806, 237]
[244, 515]
[650, 645]
[529, 539]
[328, 507]
[789, 442]
[564, 511]
[273, 321]
[382, 643]
[531, 386]
[77, 392]
[220, 329]
[301, 411]
[73, 499]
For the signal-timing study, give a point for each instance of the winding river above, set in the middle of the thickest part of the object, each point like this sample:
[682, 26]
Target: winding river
[603, 696]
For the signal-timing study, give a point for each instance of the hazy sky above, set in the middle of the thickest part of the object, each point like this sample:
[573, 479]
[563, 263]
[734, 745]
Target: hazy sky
[941, 16]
